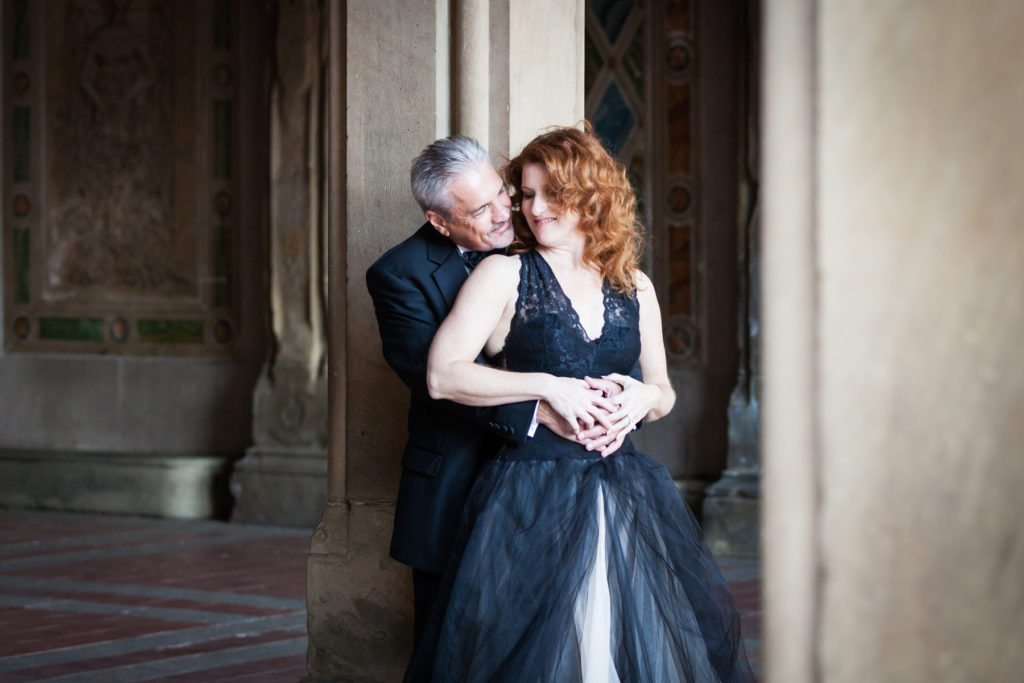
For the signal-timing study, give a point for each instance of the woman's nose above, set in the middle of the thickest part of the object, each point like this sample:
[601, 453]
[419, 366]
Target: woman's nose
[538, 205]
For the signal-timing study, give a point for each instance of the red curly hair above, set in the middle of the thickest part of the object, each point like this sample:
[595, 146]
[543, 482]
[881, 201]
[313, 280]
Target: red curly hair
[583, 177]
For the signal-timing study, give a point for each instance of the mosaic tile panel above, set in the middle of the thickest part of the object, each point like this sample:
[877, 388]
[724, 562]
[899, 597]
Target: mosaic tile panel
[680, 141]
[613, 74]
[611, 15]
[592, 64]
[71, 329]
[222, 129]
[222, 28]
[633, 62]
[171, 331]
[679, 15]
[20, 151]
[20, 45]
[613, 121]
[125, 258]
[680, 281]
[634, 98]
[22, 263]
[221, 266]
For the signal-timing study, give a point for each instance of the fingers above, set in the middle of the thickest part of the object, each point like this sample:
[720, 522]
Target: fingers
[619, 379]
[624, 424]
[590, 434]
[602, 418]
[600, 442]
[605, 404]
[614, 445]
[606, 387]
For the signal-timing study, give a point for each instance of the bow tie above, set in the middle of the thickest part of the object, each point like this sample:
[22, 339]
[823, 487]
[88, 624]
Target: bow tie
[472, 258]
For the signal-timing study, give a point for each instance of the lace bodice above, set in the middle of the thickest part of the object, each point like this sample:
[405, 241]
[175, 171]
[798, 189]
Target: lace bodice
[546, 334]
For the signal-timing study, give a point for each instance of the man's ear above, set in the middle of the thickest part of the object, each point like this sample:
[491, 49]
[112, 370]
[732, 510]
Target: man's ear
[439, 222]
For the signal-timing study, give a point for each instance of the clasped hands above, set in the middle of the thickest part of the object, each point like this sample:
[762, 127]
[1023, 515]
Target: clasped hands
[598, 412]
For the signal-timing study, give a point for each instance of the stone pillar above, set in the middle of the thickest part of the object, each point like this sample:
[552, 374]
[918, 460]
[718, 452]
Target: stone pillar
[392, 94]
[282, 478]
[731, 510]
[894, 386]
[536, 70]
[470, 28]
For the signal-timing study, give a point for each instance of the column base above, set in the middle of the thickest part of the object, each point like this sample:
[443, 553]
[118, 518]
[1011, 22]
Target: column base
[358, 600]
[284, 486]
[180, 486]
[732, 515]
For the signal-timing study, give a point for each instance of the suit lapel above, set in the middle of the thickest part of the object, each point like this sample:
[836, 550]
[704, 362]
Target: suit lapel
[451, 270]
[450, 276]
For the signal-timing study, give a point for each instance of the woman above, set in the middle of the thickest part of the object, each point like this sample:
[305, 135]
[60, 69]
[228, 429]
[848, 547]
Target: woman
[571, 566]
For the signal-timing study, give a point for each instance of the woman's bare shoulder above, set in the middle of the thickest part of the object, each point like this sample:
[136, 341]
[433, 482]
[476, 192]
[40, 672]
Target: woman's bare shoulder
[643, 283]
[495, 271]
[496, 266]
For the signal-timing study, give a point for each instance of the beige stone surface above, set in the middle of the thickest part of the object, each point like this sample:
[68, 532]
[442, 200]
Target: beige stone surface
[390, 116]
[470, 44]
[921, 326]
[543, 67]
[913, 380]
[360, 601]
[396, 100]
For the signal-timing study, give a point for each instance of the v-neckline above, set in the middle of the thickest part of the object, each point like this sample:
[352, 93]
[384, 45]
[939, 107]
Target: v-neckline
[577, 321]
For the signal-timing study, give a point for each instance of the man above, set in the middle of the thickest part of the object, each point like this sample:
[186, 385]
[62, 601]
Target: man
[414, 286]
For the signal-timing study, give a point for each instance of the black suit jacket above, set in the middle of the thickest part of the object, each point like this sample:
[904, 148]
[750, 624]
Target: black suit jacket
[414, 286]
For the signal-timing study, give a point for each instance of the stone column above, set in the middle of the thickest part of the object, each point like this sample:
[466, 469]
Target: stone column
[536, 69]
[392, 94]
[282, 478]
[731, 510]
[894, 385]
[470, 28]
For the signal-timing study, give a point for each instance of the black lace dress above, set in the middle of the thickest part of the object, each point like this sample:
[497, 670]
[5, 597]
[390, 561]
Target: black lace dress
[570, 566]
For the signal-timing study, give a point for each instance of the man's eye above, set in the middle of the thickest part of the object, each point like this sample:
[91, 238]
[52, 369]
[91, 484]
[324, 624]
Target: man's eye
[478, 212]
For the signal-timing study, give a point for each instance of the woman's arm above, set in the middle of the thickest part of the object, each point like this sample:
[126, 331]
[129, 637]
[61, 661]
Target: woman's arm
[483, 302]
[653, 398]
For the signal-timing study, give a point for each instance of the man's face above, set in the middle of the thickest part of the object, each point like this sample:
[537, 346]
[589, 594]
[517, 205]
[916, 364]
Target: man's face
[482, 212]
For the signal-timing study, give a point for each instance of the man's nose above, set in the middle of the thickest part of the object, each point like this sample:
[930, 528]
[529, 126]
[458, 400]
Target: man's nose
[502, 210]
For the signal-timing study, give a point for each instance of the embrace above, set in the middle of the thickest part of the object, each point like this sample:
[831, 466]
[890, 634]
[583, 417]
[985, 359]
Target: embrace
[544, 547]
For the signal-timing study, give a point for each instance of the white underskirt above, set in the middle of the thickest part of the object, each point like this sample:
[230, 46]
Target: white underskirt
[593, 614]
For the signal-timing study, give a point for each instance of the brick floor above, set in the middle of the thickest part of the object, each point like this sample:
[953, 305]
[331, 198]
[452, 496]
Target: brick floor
[99, 598]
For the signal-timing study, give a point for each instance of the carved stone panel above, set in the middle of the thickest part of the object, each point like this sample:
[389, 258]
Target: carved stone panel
[122, 181]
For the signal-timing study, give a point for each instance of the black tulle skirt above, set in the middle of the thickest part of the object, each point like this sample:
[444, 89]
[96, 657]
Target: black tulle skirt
[580, 569]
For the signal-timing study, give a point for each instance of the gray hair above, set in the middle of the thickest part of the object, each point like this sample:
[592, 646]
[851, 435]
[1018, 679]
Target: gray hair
[439, 164]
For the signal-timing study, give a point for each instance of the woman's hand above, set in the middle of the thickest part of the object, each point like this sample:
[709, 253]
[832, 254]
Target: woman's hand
[633, 403]
[578, 404]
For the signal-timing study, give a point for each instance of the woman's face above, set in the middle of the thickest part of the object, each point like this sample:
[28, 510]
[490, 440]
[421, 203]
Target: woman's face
[550, 224]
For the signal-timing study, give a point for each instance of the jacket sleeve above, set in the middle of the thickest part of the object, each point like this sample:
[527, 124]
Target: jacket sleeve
[407, 328]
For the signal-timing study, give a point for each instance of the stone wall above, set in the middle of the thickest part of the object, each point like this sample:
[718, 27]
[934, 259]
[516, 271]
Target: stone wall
[894, 456]
[133, 303]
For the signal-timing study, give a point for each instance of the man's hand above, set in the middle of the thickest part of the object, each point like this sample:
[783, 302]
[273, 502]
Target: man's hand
[547, 416]
[597, 438]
